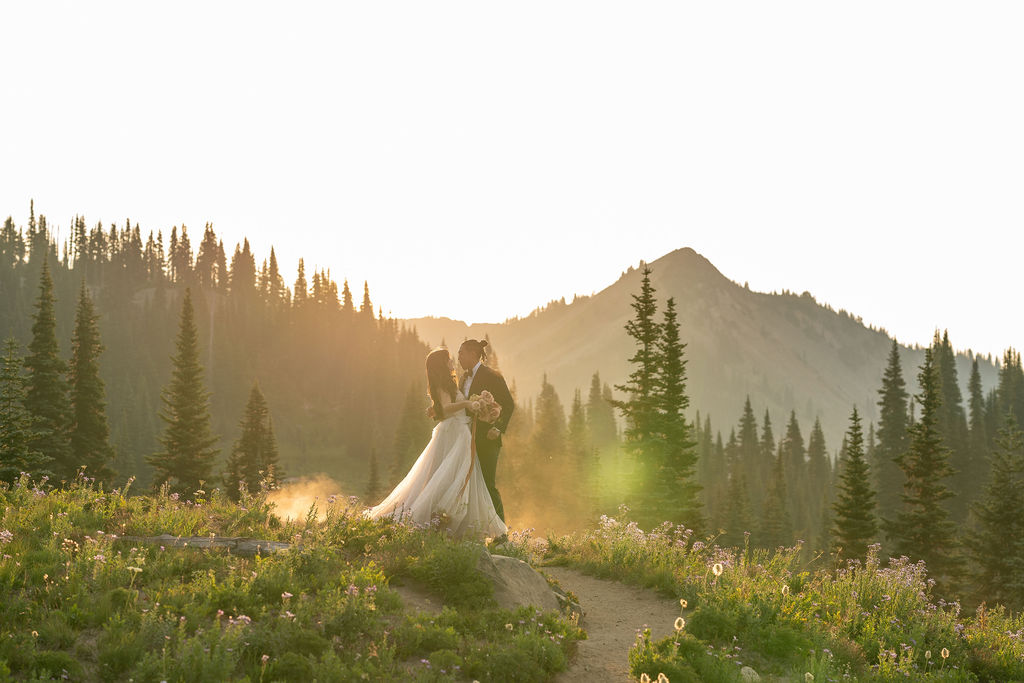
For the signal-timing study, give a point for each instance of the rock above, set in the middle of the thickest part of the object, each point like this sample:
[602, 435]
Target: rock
[516, 583]
[748, 674]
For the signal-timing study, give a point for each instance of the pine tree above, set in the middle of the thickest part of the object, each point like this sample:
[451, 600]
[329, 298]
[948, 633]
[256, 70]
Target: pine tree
[17, 430]
[998, 545]
[777, 525]
[977, 433]
[347, 307]
[47, 394]
[577, 433]
[819, 474]
[206, 259]
[952, 428]
[854, 523]
[366, 309]
[737, 515]
[794, 456]
[891, 436]
[600, 415]
[679, 491]
[922, 529]
[750, 458]
[90, 433]
[188, 451]
[640, 408]
[548, 438]
[254, 457]
[300, 291]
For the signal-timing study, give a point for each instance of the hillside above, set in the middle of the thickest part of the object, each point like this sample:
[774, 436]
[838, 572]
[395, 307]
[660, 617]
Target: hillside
[787, 351]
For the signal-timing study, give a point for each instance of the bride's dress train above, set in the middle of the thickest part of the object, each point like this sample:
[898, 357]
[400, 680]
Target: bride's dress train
[446, 480]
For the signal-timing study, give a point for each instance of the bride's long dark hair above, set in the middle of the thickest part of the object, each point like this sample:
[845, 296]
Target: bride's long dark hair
[440, 380]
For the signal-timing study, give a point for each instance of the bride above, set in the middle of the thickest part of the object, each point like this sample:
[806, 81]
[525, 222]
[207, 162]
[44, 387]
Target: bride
[446, 479]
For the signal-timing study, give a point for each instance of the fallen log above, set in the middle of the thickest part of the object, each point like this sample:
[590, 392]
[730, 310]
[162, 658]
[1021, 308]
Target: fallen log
[236, 545]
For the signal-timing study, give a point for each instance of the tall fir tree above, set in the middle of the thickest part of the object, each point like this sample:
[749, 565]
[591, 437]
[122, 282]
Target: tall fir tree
[47, 394]
[819, 477]
[679, 490]
[737, 519]
[977, 430]
[922, 529]
[750, 458]
[577, 433]
[776, 524]
[640, 408]
[254, 457]
[854, 521]
[952, 427]
[17, 429]
[600, 414]
[89, 430]
[548, 438]
[794, 456]
[998, 544]
[891, 436]
[300, 292]
[188, 452]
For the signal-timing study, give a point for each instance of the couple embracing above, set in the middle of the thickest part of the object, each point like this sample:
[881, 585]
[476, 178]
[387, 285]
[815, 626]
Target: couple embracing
[453, 478]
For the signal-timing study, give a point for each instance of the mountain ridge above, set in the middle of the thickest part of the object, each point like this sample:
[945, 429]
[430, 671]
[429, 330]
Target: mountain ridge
[788, 352]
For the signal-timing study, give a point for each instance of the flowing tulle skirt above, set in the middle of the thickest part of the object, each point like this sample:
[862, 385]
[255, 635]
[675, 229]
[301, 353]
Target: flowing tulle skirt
[445, 482]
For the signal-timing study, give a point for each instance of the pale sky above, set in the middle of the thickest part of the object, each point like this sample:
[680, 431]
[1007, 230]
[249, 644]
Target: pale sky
[871, 152]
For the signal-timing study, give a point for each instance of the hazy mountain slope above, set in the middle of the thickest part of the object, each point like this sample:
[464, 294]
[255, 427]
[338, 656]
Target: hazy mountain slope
[786, 351]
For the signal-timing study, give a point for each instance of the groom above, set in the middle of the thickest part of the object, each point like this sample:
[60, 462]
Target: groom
[477, 379]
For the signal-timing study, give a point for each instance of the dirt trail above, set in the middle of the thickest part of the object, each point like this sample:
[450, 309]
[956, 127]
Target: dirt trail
[612, 613]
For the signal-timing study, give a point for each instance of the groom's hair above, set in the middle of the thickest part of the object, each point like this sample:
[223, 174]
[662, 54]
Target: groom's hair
[476, 346]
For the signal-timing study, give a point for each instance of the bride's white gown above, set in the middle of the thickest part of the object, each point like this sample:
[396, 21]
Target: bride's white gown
[446, 480]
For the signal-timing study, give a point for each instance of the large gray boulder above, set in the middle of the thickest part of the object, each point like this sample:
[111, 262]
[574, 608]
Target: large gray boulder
[516, 583]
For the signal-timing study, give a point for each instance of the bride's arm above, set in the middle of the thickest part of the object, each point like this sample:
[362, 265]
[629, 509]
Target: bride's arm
[450, 407]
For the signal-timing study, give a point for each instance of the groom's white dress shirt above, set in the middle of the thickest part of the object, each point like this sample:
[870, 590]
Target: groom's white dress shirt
[469, 380]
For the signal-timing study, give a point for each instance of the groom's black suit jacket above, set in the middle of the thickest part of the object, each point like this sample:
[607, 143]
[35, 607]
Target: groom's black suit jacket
[487, 379]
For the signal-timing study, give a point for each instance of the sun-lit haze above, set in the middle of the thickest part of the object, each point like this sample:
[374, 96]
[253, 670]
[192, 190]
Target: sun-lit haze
[476, 160]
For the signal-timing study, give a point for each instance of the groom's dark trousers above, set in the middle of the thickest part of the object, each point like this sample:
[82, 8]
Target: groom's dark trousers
[487, 450]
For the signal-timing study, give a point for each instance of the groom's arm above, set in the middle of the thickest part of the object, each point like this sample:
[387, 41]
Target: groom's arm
[504, 398]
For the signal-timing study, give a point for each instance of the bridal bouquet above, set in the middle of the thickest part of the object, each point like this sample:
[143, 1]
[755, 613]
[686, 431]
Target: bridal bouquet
[484, 406]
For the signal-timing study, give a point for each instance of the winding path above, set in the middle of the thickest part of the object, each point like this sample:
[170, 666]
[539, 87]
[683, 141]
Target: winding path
[612, 614]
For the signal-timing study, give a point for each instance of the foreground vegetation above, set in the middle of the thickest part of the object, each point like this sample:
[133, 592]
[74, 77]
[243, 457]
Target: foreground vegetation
[84, 603]
[81, 602]
[769, 612]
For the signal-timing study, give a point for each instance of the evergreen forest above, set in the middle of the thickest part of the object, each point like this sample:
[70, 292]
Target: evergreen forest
[140, 356]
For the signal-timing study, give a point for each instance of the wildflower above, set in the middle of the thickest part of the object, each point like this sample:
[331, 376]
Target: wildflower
[680, 623]
[785, 589]
[808, 677]
[945, 653]
[682, 603]
[644, 678]
[35, 634]
[265, 658]
[6, 536]
[927, 654]
[508, 627]
[285, 595]
[717, 569]
[662, 678]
